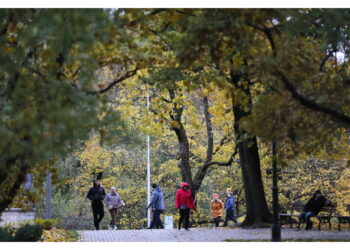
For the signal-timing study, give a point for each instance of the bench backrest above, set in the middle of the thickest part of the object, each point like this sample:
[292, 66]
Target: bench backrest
[328, 210]
[298, 207]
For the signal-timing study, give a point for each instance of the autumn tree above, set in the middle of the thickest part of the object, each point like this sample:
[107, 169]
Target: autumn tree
[48, 99]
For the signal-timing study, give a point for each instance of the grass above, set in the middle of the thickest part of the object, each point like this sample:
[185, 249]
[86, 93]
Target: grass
[72, 235]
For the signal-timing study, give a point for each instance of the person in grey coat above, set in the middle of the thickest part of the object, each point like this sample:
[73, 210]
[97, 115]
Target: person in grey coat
[157, 206]
[113, 202]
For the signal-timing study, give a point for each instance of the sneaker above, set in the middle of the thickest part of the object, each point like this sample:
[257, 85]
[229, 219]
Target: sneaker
[187, 229]
[109, 227]
[114, 228]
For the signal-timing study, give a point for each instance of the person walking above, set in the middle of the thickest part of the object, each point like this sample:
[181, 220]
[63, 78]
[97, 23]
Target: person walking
[113, 202]
[157, 206]
[230, 207]
[216, 208]
[312, 208]
[184, 202]
[96, 194]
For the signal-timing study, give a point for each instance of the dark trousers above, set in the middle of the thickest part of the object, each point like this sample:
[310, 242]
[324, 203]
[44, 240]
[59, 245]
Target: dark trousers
[229, 216]
[113, 213]
[305, 217]
[217, 220]
[156, 219]
[97, 210]
[184, 218]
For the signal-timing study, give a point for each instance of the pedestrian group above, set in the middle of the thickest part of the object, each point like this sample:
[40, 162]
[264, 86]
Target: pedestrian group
[184, 203]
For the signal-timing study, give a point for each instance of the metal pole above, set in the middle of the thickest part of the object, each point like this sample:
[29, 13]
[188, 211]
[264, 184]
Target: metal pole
[276, 228]
[148, 172]
[48, 195]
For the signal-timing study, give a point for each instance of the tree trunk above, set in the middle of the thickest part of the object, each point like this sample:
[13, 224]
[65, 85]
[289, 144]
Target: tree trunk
[184, 150]
[9, 188]
[258, 214]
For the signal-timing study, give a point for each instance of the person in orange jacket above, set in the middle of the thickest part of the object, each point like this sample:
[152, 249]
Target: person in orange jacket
[216, 208]
[184, 202]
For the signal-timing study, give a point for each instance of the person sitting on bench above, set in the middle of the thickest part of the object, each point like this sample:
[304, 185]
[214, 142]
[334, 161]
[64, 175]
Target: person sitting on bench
[312, 208]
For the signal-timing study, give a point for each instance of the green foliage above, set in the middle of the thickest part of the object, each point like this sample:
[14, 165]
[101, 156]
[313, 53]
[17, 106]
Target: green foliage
[5, 235]
[47, 224]
[28, 233]
[47, 89]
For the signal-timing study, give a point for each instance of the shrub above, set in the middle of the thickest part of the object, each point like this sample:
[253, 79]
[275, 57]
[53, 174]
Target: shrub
[47, 224]
[5, 235]
[28, 233]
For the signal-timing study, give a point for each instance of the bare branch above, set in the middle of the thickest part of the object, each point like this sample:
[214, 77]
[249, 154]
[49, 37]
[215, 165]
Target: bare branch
[311, 104]
[323, 62]
[115, 82]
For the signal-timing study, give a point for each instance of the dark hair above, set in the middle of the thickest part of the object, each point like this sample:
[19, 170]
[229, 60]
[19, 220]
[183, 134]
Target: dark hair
[154, 185]
[317, 192]
[94, 182]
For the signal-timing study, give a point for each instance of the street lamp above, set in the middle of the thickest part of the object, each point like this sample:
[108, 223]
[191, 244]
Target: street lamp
[148, 172]
[276, 227]
[48, 195]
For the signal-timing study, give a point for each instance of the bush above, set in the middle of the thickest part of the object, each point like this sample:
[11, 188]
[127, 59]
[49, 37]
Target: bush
[47, 224]
[29, 233]
[5, 235]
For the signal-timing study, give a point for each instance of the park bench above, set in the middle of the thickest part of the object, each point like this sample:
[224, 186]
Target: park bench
[292, 210]
[326, 215]
[344, 219]
[296, 208]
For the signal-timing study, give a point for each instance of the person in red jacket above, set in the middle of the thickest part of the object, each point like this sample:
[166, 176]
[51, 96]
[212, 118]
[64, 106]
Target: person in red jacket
[184, 202]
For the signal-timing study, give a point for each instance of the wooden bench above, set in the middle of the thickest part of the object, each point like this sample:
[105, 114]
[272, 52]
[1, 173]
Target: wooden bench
[292, 210]
[296, 208]
[344, 219]
[325, 215]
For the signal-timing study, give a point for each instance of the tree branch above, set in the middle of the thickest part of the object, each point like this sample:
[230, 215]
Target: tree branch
[210, 139]
[227, 163]
[115, 82]
[323, 62]
[311, 104]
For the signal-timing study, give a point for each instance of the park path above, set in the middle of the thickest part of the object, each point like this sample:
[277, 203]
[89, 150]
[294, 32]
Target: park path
[204, 234]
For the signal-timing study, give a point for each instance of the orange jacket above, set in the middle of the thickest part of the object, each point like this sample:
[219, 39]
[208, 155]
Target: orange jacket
[216, 208]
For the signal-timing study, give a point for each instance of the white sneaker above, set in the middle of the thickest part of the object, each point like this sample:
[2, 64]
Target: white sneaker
[114, 228]
[109, 227]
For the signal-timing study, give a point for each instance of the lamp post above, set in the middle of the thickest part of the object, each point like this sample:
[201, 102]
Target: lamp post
[48, 195]
[276, 228]
[148, 172]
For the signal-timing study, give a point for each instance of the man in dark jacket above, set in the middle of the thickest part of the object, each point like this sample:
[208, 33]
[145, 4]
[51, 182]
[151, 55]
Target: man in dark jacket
[157, 206]
[230, 207]
[96, 194]
[312, 208]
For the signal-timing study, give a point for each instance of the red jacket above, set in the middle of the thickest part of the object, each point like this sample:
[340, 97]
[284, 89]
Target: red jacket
[184, 197]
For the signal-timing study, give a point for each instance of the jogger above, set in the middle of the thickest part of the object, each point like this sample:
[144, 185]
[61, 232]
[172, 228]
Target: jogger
[96, 194]
[113, 202]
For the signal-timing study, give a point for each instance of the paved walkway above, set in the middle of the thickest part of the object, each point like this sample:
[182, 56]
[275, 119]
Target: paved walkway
[205, 234]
